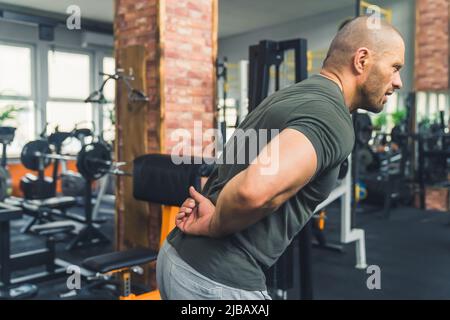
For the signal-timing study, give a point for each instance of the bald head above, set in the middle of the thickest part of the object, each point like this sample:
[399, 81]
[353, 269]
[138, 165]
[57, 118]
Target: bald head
[360, 32]
[365, 58]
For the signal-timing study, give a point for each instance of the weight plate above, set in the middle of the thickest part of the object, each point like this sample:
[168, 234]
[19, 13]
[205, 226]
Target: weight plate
[94, 161]
[28, 155]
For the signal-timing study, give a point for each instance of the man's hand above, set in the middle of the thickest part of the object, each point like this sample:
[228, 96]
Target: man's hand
[195, 214]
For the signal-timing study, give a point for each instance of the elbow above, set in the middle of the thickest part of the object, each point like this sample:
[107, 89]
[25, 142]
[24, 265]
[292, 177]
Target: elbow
[251, 199]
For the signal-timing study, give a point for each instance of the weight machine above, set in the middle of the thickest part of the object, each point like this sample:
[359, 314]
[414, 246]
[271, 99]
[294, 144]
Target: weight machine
[93, 161]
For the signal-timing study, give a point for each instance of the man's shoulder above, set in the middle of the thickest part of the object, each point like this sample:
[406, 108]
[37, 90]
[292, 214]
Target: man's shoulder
[309, 92]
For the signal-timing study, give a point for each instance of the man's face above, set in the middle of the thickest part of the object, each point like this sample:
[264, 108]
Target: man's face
[383, 79]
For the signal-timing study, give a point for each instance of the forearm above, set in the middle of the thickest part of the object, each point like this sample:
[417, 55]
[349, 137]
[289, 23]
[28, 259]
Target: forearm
[270, 180]
[235, 212]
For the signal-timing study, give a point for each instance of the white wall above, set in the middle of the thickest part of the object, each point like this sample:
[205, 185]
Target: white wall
[319, 31]
[28, 33]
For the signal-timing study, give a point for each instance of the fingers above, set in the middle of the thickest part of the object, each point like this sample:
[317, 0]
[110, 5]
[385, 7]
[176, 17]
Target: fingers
[187, 208]
[180, 220]
[188, 203]
[197, 196]
[184, 212]
[180, 215]
[180, 224]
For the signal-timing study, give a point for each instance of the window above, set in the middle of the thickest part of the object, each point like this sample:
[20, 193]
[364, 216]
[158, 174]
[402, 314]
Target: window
[430, 104]
[16, 94]
[68, 75]
[69, 85]
[421, 105]
[109, 67]
[15, 65]
[67, 114]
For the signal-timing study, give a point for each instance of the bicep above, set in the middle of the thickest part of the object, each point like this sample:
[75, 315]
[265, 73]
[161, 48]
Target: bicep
[282, 167]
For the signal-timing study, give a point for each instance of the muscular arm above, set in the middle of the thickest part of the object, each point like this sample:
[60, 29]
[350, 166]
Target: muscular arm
[266, 184]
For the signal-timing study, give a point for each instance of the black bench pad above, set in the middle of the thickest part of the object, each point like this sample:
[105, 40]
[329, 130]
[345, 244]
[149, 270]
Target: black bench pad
[53, 203]
[120, 259]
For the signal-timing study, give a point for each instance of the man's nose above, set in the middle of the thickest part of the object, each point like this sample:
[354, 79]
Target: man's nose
[397, 81]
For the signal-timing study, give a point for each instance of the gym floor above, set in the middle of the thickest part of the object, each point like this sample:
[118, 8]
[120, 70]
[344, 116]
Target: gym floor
[411, 248]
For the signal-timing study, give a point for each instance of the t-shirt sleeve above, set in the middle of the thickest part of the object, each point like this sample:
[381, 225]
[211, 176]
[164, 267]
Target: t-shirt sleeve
[328, 130]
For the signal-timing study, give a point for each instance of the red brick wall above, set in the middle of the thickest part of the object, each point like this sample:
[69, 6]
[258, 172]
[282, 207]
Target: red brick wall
[432, 49]
[188, 68]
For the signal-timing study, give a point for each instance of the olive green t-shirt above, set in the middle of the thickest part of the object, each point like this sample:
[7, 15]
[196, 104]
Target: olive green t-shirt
[314, 107]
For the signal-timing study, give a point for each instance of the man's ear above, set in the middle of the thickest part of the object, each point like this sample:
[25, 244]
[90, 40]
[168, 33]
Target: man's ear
[361, 59]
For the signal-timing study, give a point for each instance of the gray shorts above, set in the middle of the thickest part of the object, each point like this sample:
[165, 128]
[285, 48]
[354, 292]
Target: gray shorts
[179, 281]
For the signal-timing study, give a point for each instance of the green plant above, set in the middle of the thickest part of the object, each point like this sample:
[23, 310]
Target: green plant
[379, 121]
[398, 116]
[9, 112]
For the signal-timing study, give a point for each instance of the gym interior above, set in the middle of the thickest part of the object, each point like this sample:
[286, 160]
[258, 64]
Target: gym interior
[95, 97]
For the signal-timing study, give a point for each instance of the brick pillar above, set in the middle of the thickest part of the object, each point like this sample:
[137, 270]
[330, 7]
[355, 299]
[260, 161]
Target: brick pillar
[432, 47]
[188, 74]
[178, 39]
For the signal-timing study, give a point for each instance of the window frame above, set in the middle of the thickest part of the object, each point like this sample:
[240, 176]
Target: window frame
[65, 49]
[33, 97]
[100, 81]
[95, 66]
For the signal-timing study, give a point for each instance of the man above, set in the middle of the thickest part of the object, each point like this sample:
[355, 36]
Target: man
[244, 219]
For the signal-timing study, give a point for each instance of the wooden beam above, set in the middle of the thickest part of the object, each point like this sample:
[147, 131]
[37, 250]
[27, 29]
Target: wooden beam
[131, 133]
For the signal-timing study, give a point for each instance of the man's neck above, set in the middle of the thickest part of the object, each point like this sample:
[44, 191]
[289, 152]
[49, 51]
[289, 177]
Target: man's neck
[347, 88]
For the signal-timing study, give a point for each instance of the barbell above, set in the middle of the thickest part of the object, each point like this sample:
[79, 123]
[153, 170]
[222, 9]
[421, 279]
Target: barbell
[93, 161]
